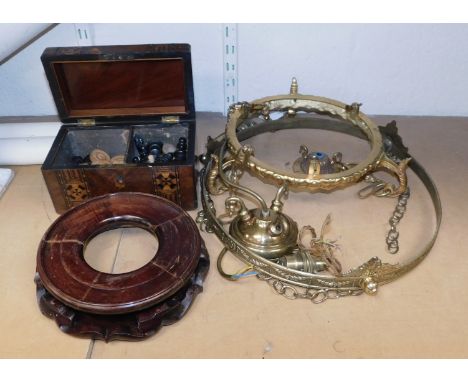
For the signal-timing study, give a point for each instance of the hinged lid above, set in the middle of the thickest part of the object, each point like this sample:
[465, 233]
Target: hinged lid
[126, 83]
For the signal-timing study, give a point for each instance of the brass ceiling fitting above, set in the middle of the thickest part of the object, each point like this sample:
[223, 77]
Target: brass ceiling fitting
[265, 238]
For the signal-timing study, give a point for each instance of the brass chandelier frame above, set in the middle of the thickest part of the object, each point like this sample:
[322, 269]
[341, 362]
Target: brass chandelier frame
[226, 159]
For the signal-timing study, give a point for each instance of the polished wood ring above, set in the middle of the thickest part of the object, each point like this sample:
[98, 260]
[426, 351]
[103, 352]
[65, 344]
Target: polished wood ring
[64, 273]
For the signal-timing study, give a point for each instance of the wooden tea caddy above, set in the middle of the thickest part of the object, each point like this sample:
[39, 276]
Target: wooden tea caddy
[104, 96]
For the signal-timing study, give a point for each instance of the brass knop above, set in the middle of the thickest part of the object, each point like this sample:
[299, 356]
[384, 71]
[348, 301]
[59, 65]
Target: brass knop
[369, 285]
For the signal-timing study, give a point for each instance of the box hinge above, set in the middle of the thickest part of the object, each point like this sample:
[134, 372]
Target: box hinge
[87, 122]
[170, 119]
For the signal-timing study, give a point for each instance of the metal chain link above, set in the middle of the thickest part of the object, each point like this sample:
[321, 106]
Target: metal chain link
[400, 209]
[398, 213]
[314, 295]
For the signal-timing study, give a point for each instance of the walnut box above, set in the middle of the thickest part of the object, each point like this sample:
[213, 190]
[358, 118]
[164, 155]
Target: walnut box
[107, 96]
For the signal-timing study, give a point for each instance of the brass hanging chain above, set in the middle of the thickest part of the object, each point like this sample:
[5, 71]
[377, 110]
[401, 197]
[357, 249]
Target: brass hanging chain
[316, 296]
[398, 213]
[376, 185]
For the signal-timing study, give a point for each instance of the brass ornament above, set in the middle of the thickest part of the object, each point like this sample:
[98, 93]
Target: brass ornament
[265, 238]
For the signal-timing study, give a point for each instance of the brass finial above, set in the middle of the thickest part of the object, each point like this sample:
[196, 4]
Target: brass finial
[294, 86]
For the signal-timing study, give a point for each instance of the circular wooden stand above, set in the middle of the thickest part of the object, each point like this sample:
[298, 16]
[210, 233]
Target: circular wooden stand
[132, 305]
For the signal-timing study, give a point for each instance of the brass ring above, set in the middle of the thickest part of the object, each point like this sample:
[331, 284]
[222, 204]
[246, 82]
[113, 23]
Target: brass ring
[290, 105]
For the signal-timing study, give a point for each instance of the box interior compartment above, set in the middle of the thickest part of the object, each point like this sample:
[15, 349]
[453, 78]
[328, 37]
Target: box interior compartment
[165, 133]
[81, 142]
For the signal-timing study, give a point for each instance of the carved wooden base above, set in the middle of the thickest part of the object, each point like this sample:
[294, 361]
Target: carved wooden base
[131, 305]
[128, 326]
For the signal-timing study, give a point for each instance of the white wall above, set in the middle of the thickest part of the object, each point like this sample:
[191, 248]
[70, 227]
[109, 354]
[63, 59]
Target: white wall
[399, 69]
[24, 89]
[405, 69]
[15, 35]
